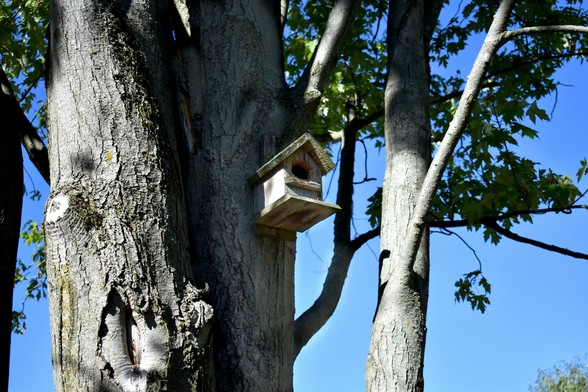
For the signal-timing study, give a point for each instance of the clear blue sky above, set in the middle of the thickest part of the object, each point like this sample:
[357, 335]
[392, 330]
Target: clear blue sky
[537, 317]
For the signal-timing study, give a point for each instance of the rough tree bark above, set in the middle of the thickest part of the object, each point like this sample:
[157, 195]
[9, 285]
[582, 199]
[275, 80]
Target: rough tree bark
[251, 278]
[158, 112]
[10, 214]
[125, 314]
[395, 359]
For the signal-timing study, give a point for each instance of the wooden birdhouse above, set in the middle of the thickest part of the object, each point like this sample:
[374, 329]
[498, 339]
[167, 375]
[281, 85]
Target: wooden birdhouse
[288, 192]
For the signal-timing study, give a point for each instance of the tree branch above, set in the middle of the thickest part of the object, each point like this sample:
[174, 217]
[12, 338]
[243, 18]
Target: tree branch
[30, 139]
[355, 125]
[508, 215]
[308, 91]
[361, 239]
[456, 94]
[513, 67]
[509, 234]
[492, 43]
[508, 35]
[550, 56]
[432, 11]
[315, 317]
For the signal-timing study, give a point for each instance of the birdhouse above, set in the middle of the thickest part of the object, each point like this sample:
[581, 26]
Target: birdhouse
[288, 192]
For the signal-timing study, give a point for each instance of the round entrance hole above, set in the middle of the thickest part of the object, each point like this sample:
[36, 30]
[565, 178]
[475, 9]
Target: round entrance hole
[300, 171]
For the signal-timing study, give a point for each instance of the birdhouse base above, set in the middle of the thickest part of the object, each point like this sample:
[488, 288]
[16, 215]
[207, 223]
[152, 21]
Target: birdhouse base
[295, 213]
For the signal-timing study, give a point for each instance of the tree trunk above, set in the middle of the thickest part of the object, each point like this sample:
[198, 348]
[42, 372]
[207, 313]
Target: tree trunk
[124, 222]
[251, 278]
[158, 114]
[10, 214]
[395, 359]
[124, 312]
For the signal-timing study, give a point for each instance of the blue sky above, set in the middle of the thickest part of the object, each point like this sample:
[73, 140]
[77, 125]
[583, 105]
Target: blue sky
[537, 315]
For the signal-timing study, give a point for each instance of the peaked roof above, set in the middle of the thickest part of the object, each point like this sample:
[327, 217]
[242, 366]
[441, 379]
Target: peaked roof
[306, 142]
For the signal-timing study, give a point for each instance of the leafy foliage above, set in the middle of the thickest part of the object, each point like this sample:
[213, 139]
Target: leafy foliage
[357, 82]
[374, 208]
[487, 176]
[467, 290]
[566, 377]
[23, 44]
[33, 273]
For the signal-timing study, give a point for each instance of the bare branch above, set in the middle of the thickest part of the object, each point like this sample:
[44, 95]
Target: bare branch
[309, 89]
[315, 317]
[450, 233]
[284, 5]
[29, 137]
[533, 60]
[457, 94]
[551, 56]
[553, 248]
[361, 239]
[492, 43]
[508, 35]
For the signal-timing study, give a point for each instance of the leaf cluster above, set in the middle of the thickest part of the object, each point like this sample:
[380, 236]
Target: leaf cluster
[23, 44]
[487, 176]
[355, 89]
[468, 290]
[568, 377]
[34, 273]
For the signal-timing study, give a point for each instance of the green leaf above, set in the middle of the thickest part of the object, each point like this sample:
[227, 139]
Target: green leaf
[582, 170]
[466, 291]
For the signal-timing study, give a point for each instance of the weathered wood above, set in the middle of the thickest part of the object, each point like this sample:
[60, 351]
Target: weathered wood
[309, 185]
[288, 189]
[306, 142]
[297, 213]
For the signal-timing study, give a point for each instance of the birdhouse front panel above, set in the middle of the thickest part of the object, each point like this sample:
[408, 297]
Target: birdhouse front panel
[288, 189]
[303, 176]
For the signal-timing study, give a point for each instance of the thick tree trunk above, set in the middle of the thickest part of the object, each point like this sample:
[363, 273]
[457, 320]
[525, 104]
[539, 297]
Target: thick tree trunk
[395, 359]
[124, 313]
[251, 278]
[130, 210]
[10, 213]
[116, 221]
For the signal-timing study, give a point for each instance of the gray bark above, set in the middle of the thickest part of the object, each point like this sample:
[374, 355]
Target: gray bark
[158, 114]
[124, 312]
[395, 359]
[251, 278]
[244, 114]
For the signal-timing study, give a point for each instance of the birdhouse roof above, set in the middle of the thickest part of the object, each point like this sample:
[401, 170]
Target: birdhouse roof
[305, 142]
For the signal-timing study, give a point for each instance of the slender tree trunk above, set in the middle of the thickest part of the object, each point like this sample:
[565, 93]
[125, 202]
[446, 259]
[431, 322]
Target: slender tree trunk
[124, 313]
[10, 213]
[395, 359]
